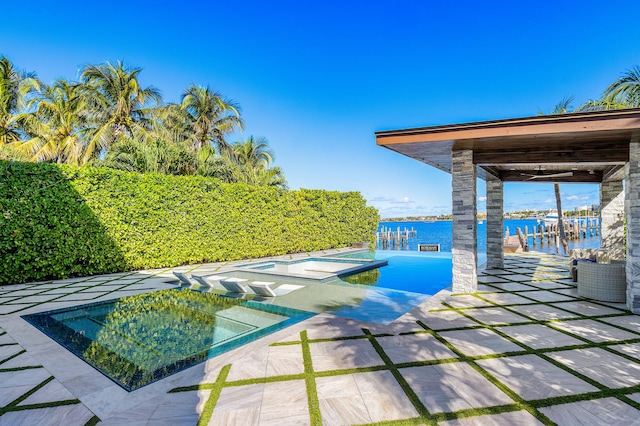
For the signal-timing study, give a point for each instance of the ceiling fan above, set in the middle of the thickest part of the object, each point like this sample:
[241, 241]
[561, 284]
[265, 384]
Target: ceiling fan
[541, 175]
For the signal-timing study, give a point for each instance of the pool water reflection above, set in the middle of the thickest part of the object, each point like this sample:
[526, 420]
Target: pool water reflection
[136, 340]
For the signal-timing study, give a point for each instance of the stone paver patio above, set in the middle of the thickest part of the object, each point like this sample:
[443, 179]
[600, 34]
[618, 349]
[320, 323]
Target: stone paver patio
[524, 350]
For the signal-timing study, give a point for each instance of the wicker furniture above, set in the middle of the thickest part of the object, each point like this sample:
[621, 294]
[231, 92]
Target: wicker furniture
[602, 281]
[577, 254]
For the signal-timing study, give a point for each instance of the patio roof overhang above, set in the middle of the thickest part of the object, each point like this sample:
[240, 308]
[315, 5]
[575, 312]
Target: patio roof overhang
[593, 146]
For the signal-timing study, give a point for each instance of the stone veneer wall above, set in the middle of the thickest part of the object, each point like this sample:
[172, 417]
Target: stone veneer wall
[612, 218]
[495, 223]
[465, 246]
[632, 210]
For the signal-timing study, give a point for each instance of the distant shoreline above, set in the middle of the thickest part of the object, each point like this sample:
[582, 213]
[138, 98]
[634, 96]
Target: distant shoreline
[415, 220]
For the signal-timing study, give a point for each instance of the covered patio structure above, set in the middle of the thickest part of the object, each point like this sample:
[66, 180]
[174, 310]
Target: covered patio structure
[592, 147]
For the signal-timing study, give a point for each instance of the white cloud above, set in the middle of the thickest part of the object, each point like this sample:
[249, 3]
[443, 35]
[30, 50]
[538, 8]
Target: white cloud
[573, 198]
[482, 199]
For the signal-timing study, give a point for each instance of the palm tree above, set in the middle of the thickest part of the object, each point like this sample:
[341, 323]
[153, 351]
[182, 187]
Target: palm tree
[14, 87]
[563, 235]
[56, 124]
[212, 165]
[151, 155]
[626, 89]
[10, 152]
[561, 107]
[209, 117]
[252, 161]
[266, 177]
[117, 103]
[171, 123]
[601, 105]
[622, 93]
[253, 153]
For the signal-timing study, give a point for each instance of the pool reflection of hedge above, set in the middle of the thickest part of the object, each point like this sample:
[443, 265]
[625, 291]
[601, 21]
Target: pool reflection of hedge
[369, 277]
[59, 221]
[146, 332]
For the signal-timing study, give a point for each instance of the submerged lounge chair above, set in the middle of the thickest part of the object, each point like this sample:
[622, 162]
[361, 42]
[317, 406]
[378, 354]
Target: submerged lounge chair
[184, 280]
[286, 288]
[263, 288]
[208, 281]
[234, 285]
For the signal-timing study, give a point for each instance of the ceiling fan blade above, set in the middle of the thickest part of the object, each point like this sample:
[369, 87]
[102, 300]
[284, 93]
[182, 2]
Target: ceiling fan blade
[551, 176]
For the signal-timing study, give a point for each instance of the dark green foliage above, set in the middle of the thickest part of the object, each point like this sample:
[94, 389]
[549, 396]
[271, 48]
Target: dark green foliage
[58, 221]
[47, 230]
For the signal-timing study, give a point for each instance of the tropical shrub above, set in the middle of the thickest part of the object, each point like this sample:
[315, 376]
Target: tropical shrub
[58, 221]
[47, 229]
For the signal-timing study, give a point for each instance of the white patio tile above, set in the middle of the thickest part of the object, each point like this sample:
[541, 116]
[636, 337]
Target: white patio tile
[512, 286]
[507, 298]
[31, 377]
[533, 378]
[520, 270]
[548, 296]
[602, 366]
[51, 392]
[494, 316]
[631, 349]
[606, 411]
[445, 319]
[630, 322]
[239, 405]
[284, 360]
[519, 418]
[337, 355]
[466, 301]
[76, 414]
[479, 341]
[544, 312]
[546, 285]
[587, 308]
[344, 410]
[595, 331]
[414, 347]
[520, 277]
[538, 336]
[453, 387]
[285, 403]
[383, 396]
[492, 279]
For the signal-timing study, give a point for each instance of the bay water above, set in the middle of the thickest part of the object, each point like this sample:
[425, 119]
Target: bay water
[440, 232]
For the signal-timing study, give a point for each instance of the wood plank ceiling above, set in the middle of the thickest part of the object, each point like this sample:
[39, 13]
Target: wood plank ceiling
[589, 147]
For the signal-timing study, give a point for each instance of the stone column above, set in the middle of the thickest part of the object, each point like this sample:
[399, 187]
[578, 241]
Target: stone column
[465, 222]
[495, 224]
[632, 210]
[612, 218]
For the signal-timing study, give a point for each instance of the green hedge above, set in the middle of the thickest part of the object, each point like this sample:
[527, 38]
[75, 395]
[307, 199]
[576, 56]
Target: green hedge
[59, 221]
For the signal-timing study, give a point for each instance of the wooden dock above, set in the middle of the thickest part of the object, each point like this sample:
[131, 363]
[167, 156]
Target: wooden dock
[387, 238]
[541, 234]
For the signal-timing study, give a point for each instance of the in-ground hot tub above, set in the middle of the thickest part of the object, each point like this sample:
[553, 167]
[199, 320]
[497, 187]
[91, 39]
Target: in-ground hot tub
[316, 268]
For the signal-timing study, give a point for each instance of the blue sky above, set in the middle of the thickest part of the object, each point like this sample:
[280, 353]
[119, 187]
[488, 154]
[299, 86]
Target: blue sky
[317, 79]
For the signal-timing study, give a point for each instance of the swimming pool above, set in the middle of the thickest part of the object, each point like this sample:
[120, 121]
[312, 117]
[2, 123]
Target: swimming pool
[417, 272]
[139, 339]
